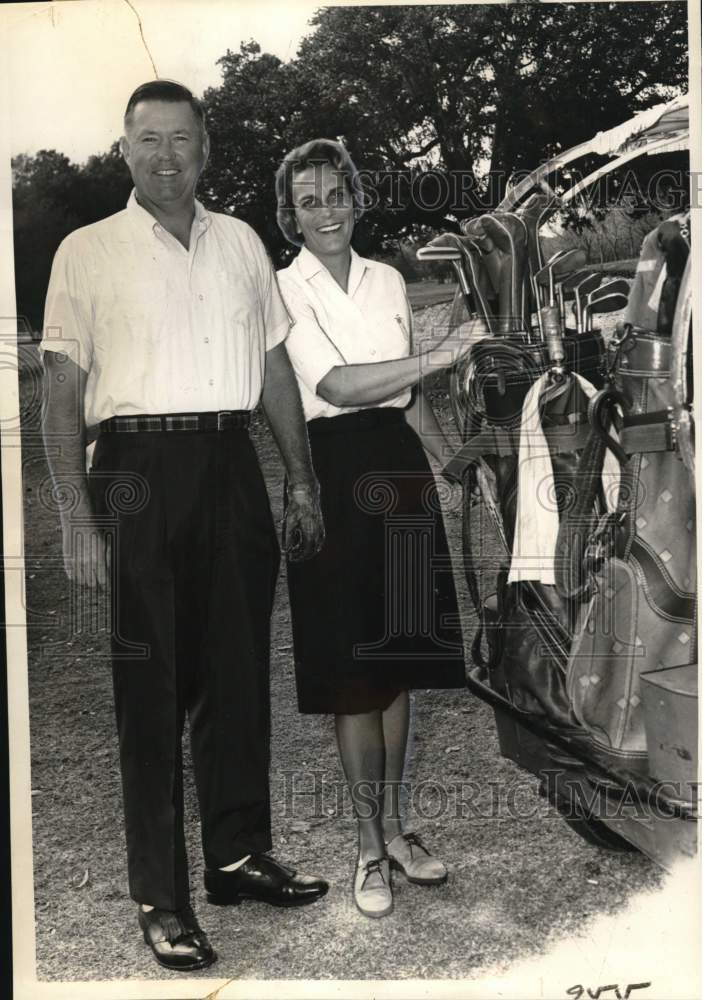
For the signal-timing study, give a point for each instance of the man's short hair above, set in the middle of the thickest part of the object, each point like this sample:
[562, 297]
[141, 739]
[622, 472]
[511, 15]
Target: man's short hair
[310, 154]
[165, 90]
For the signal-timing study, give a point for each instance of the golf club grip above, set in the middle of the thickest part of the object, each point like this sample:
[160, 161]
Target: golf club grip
[551, 325]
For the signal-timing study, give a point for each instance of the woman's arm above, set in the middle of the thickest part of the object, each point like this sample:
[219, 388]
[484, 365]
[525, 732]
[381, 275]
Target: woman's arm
[352, 385]
[360, 385]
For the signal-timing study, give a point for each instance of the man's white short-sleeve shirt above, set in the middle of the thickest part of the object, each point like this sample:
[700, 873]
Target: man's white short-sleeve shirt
[370, 322]
[162, 329]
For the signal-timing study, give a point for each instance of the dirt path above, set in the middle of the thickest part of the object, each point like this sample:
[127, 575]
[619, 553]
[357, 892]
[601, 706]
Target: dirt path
[520, 878]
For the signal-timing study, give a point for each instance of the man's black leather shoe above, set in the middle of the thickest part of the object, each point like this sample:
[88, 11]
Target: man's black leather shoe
[176, 939]
[265, 879]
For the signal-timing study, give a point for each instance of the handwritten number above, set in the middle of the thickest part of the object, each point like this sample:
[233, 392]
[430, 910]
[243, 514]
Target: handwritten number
[578, 991]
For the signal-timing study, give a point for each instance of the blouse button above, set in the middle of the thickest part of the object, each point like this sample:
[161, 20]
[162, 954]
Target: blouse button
[373, 352]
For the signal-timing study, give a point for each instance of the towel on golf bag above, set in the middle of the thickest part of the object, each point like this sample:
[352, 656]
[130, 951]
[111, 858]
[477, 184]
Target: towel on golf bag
[528, 624]
[538, 518]
[642, 615]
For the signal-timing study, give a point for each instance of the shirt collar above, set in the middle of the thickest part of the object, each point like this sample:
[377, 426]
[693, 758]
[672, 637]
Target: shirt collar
[310, 265]
[145, 220]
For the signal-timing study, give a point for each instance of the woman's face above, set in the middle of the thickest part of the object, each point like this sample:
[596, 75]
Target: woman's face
[323, 209]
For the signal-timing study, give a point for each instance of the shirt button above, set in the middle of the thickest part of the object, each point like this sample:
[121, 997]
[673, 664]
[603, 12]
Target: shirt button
[207, 340]
[201, 297]
[211, 381]
[372, 352]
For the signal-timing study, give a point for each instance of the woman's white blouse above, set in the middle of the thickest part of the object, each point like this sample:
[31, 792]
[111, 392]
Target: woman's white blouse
[370, 322]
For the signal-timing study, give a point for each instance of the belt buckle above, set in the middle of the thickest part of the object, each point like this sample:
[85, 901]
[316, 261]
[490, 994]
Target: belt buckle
[221, 419]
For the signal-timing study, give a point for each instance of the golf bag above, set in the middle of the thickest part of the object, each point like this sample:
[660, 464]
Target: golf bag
[568, 643]
[642, 612]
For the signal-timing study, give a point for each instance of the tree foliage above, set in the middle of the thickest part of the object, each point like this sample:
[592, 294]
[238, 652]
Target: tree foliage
[476, 91]
[50, 198]
[438, 106]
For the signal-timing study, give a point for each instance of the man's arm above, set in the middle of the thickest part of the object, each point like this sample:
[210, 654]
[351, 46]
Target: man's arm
[304, 529]
[84, 553]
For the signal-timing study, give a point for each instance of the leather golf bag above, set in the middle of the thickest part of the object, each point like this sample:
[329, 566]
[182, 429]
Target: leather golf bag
[527, 625]
[623, 598]
[641, 615]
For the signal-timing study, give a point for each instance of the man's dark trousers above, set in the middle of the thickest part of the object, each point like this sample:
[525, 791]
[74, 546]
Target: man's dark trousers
[194, 569]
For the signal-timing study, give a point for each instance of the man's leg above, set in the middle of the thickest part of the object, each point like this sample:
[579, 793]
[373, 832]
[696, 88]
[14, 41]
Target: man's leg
[148, 694]
[228, 694]
[150, 717]
[229, 701]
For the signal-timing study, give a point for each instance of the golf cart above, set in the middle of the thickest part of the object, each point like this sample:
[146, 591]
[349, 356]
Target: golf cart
[579, 529]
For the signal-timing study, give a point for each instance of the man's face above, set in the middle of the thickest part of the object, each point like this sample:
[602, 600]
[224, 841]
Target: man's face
[165, 149]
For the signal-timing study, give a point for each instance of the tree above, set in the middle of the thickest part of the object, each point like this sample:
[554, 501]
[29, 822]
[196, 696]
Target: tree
[438, 105]
[51, 196]
[473, 91]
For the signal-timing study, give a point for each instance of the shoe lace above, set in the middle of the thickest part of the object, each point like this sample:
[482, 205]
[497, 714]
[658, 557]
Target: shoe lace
[182, 926]
[372, 867]
[413, 840]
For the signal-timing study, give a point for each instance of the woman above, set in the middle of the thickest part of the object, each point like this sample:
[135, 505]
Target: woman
[374, 614]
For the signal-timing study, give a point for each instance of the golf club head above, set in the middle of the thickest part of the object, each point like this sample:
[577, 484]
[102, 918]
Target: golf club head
[555, 257]
[437, 253]
[618, 286]
[582, 289]
[571, 280]
[610, 303]
[443, 247]
[571, 260]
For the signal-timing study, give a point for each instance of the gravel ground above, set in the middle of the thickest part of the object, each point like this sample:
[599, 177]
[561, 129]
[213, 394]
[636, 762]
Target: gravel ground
[520, 878]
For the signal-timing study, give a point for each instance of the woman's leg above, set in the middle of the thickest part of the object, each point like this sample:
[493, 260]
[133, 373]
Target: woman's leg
[362, 750]
[406, 851]
[395, 721]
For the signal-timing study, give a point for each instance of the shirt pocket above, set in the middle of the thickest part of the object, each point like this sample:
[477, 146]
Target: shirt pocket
[388, 336]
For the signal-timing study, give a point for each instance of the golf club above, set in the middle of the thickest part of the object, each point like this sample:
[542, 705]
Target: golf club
[581, 289]
[603, 304]
[452, 254]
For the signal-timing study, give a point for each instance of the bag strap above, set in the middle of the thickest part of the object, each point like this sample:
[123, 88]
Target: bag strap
[469, 479]
[572, 575]
[653, 431]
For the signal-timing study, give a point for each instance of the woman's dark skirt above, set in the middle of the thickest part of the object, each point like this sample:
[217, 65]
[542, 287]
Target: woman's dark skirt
[375, 612]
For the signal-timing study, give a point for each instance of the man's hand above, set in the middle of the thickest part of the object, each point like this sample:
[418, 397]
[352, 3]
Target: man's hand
[86, 555]
[303, 528]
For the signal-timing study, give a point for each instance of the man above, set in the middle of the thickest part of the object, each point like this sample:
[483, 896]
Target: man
[164, 327]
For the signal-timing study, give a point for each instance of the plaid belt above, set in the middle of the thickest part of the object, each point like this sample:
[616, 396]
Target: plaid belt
[225, 420]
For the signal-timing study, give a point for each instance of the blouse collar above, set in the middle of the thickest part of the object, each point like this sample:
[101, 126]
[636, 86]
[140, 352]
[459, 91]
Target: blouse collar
[310, 266]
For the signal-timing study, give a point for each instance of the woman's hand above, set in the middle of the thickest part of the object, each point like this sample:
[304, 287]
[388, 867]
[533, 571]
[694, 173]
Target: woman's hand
[453, 344]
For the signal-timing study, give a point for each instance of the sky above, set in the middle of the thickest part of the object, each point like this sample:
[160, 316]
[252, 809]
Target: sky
[74, 63]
